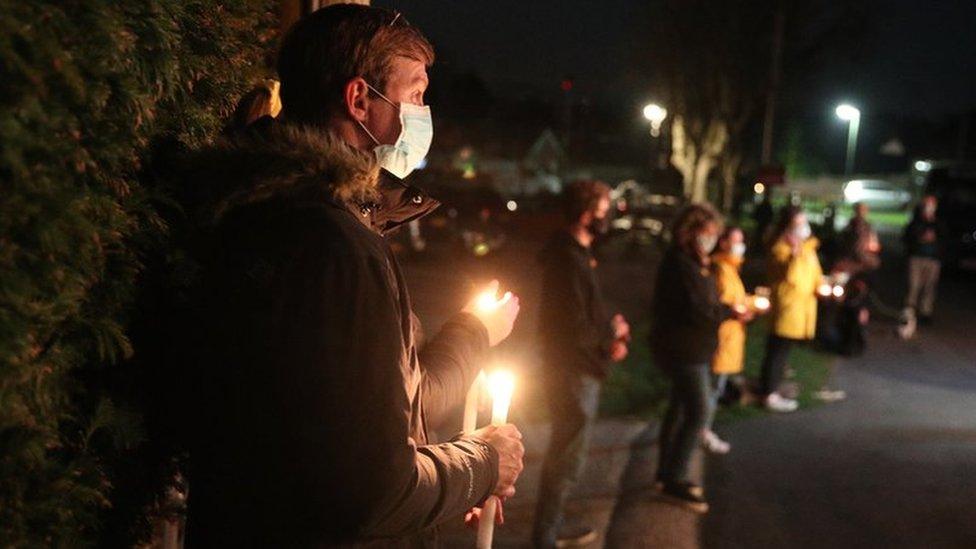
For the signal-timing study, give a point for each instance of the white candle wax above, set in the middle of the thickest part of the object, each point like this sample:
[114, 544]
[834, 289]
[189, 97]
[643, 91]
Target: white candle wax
[501, 384]
[486, 528]
[470, 422]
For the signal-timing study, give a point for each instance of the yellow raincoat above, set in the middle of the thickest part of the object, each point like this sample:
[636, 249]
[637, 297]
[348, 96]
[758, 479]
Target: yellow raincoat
[730, 353]
[794, 280]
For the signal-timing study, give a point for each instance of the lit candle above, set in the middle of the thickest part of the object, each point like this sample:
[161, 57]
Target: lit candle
[760, 302]
[501, 384]
[488, 300]
[838, 291]
[470, 422]
[825, 289]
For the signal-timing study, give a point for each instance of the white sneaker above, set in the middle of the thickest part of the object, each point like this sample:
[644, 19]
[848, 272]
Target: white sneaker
[714, 444]
[776, 403]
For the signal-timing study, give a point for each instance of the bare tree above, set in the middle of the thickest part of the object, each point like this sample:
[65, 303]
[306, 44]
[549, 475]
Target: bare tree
[713, 63]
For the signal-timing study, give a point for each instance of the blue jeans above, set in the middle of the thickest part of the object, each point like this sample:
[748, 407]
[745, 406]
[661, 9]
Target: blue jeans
[719, 382]
[573, 401]
[688, 411]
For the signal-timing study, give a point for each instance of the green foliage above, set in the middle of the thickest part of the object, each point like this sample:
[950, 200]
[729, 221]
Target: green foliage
[811, 368]
[796, 157]
[85, 87]
[638, 388]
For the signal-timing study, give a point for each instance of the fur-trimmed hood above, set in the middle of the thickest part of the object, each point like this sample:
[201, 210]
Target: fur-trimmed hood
[277, 160]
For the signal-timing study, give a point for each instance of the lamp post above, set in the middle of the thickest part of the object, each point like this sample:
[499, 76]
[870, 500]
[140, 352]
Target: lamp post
[655, 114]
[852, 116]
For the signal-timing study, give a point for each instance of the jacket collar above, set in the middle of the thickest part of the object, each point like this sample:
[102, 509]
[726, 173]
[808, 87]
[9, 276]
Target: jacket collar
[397, 204]
[285, 160]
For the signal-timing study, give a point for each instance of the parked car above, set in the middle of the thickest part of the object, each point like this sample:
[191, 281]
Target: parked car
[877, 193]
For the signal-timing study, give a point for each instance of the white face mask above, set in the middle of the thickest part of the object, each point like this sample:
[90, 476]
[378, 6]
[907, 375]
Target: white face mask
[803, 232]
[707, 242]
[739, 249]
[413, 143]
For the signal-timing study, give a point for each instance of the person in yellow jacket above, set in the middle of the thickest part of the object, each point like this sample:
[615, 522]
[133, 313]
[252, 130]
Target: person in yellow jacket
[794, 274]
[730, 355]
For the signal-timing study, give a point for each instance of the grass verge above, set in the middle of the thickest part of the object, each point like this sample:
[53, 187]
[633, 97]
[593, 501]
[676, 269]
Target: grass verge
[638, 388]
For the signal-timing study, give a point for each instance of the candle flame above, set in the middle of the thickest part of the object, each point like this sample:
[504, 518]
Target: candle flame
[488, 301]
[761, 303]
[501, 385]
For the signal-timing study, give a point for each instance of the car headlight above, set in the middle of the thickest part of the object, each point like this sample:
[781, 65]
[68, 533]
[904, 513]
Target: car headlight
[853, 191]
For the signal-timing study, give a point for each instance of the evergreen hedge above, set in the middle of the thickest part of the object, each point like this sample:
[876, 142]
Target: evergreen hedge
[86, 88]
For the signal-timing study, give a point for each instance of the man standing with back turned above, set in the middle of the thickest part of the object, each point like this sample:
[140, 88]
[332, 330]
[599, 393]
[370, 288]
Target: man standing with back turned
[579, 340]
[315, 398]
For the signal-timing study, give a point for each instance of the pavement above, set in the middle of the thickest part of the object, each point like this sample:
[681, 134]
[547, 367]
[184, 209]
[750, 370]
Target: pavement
[892, 466]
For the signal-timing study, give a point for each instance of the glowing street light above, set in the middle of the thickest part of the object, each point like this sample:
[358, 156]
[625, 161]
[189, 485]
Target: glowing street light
[655, 114]
[852, 116]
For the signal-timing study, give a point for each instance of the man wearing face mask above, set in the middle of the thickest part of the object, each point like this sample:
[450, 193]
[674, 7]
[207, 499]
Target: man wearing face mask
[314, 400]
[579, 340]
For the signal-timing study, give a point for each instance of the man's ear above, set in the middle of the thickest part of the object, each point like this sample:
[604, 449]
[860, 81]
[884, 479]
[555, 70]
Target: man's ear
[355, 98]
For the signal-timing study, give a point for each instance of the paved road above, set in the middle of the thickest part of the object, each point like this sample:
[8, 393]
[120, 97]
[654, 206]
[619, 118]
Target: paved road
[893, 466]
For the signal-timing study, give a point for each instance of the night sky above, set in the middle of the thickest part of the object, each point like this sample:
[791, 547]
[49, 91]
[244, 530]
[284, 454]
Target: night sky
[915, 56]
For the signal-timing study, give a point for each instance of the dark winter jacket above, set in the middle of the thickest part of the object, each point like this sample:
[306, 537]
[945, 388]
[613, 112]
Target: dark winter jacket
[856, 256]
[914, 233]
[314, 399]
[574, 327]
[686, 311]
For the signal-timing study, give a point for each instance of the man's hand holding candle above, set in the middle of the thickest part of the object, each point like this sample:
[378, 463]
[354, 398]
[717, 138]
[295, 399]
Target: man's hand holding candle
[507, 441]
[497, 314]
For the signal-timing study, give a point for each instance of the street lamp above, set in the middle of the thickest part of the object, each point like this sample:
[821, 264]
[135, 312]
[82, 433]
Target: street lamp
[655, 114]
[852, 116]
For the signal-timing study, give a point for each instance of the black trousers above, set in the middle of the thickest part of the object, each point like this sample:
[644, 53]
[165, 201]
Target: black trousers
[688, 411]
[774, 363]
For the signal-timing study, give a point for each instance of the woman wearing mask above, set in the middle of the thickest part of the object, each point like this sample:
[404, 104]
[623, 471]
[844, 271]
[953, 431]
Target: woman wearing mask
[794, 274]
[729, 357]
[687, 314]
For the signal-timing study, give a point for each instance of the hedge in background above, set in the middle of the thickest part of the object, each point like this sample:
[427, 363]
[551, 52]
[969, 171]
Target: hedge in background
[85, 87]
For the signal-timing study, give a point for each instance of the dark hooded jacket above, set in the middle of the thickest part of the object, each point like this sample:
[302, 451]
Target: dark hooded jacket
[574, 327]
[314, 399]
[687, 311]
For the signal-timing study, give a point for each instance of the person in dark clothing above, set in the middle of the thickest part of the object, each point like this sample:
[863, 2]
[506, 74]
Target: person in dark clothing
[763, 216]
[842, 324]
[579, 340]
[313, 397]
[859, 249]
[687, 313]
[923, 245]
